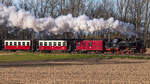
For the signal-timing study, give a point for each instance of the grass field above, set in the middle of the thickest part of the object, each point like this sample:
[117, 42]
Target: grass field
[16, 57]
[85, 69]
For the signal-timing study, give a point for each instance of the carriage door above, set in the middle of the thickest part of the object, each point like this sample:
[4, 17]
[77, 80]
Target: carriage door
[90, 44]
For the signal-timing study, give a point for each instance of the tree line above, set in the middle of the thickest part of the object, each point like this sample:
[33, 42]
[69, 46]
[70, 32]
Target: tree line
[136, 12]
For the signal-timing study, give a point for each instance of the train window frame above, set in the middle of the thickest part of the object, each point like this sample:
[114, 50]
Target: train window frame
[41, 43]
[23, 43]
[28, 43]
[6, 43]
[54, 43]
[59, 44]
[15, 43]
[19, 43]
[45, 44]
[50, 43]
[64, 43]
[11, 43]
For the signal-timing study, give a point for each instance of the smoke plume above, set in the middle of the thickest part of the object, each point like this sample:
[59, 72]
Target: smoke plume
[65, 23]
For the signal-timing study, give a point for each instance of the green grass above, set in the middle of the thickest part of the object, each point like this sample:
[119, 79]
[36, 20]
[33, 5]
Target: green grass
[16, 57]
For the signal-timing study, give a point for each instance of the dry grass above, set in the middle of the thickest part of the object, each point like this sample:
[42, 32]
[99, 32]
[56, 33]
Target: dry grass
[113, 71]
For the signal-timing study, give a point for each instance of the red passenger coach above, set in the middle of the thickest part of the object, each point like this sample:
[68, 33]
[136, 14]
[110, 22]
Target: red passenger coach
[17, 45]
[89, 45]
[49, 45]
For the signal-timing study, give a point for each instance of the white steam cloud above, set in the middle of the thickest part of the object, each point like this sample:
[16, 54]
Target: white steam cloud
[23, 19]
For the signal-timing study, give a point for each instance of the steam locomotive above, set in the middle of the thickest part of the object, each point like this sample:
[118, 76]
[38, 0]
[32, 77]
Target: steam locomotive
[115, 46]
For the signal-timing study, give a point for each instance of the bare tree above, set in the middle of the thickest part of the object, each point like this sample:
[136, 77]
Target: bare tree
[104, 9]
[7, 2]
[146, 20]
[75, 7]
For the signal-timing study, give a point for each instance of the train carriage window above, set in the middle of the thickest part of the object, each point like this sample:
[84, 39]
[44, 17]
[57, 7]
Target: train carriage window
[23, 43]
[50, 43]
[90, 44]
[10, 43]
[19, 43]
[41, 43]
[55, 44]
[6, 43]
[64, 43]
[59, 43]
[45, 43]
[15, 43]
[28, 43]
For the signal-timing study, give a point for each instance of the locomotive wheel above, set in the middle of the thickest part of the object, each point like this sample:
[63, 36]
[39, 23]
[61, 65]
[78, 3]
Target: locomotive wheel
[132, 52]
[124, 52]
[108, 52]
[128, 52]
[142, 51]
[117, 52]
